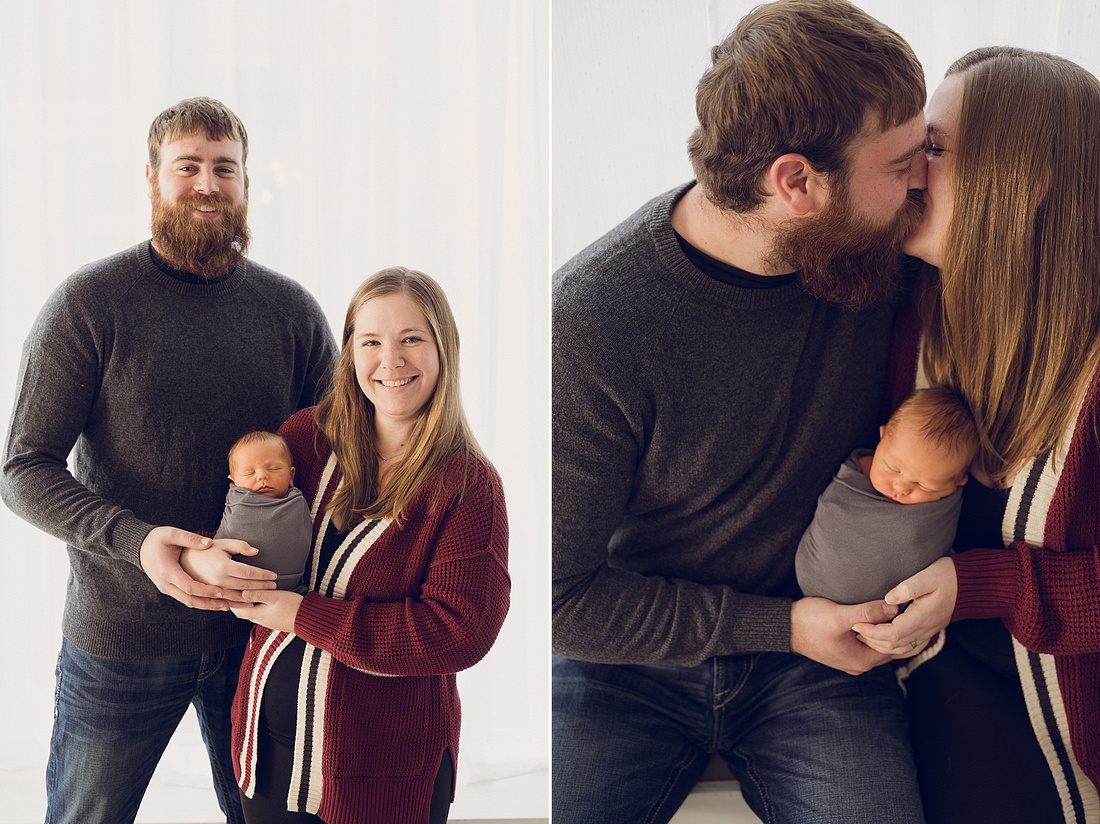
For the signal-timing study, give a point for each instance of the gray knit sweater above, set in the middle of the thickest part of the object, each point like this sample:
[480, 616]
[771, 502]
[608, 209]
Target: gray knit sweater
[695, 423]
[148, 381]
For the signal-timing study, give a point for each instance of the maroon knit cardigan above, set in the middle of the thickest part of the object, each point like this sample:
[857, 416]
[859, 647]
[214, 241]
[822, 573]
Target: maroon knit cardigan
[424, 602]
[1047, 596]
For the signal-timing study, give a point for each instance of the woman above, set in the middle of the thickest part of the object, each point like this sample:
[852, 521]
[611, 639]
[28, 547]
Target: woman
[347, 709]
[1005, 703]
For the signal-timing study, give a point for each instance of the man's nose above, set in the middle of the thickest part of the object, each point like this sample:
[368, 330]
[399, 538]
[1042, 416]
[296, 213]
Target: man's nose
[206, 182]
[918, 175]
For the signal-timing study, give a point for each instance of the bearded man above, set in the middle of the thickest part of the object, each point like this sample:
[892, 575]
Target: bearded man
[147, 366]
[716, 356]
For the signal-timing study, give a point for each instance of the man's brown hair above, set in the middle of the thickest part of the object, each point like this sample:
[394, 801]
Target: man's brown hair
[196, 115]
[801, 76]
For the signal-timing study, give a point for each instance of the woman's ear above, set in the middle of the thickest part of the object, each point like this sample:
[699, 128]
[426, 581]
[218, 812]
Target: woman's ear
[799, 187]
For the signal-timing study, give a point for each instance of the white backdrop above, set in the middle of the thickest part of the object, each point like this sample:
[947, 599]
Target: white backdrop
[409, 132]
[625, 74]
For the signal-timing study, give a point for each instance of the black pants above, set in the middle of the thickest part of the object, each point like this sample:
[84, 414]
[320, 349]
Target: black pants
[273, 769]
[977, 757]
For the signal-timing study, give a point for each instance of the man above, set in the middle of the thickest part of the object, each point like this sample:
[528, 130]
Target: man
[716, 356]
[148, 365]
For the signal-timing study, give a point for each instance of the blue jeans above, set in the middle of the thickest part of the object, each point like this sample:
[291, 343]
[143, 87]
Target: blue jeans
[807, 743]
[113, 718]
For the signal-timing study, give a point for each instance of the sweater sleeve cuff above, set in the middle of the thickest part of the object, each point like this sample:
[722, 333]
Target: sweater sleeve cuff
[987, 583]
[316, 617]
[128, 536]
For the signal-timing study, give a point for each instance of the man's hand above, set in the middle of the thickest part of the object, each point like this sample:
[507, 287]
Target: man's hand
[216, 566]
[822, 631]
[160, 560]
[274, 609]
[933, 592]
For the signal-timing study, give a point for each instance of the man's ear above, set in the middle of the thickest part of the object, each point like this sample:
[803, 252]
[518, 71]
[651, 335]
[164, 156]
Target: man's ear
[149, 178]
[799, 187]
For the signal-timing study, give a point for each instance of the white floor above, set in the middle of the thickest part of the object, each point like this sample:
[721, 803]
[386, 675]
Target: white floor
[715, 802]
[182, 793]
[172, 801]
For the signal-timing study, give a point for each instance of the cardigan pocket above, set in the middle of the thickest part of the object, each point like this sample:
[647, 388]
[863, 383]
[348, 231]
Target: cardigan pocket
[390, 727]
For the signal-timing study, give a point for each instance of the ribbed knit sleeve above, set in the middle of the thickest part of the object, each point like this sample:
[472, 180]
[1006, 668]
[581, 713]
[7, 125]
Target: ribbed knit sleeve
[453, 620]
[132, 387]
[416, 603]
[432, 594]
[1045, 588]
[59, 376]
[695, 424]
[988, 583]
[1047, 598]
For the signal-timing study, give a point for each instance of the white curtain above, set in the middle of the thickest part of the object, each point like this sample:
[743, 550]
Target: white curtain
[625, 76]
[382, 132]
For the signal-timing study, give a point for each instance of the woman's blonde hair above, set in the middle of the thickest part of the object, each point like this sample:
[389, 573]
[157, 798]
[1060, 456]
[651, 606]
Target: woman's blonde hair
[1014, 320]
[346, 418]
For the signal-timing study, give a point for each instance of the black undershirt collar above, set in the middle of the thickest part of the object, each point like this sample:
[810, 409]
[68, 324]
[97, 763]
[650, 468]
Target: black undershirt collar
[186, 277]
[712, 267]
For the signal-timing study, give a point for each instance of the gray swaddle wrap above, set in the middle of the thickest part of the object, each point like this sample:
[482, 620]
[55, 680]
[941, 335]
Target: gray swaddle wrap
[280, 528]
[861, 544]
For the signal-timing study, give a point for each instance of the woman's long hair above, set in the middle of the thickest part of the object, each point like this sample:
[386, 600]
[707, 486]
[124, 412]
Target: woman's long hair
[346, 418]
[1014, 320]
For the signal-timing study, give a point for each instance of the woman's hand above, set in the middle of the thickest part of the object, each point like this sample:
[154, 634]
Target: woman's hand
[272, 608]
[933, 592]
[822, 631]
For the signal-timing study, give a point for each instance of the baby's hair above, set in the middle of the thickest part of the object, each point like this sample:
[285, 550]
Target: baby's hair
[257, 436]
[941, 415]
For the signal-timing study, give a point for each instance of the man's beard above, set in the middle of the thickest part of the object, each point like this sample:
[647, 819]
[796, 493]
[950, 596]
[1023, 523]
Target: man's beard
[845, 259]
[207, 248]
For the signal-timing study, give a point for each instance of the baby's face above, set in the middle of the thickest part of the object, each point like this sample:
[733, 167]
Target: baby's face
[912, 470]
[263, 467]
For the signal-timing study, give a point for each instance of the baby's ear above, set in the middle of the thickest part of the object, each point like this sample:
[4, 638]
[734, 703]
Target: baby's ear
[292, 474]
[965, 477]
